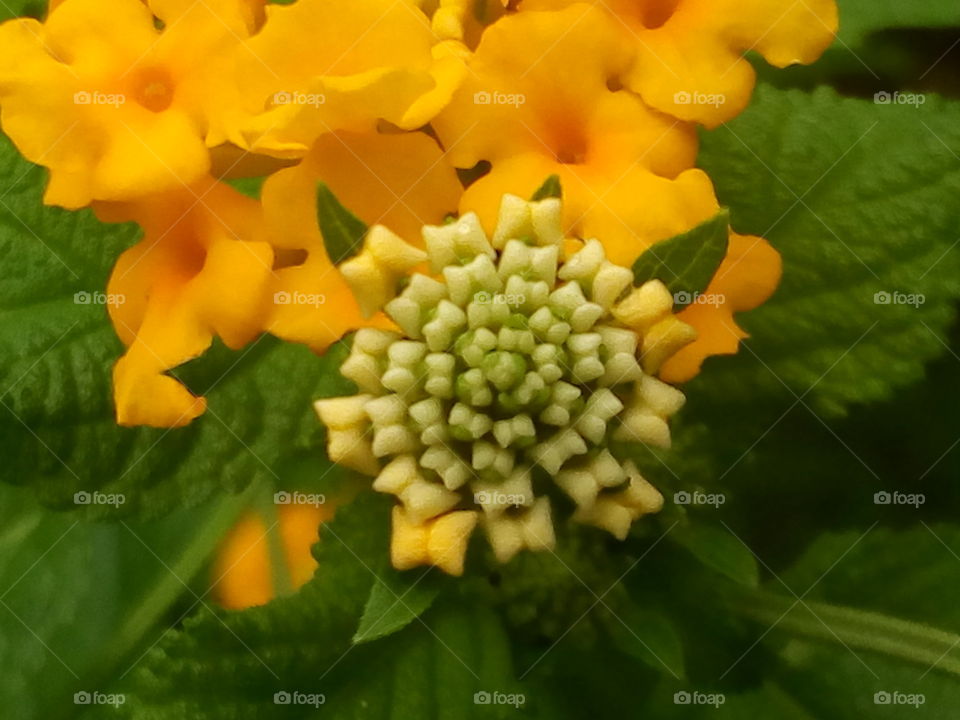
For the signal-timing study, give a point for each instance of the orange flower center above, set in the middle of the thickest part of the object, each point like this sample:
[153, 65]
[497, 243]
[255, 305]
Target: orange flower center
[569, 144]
[154, 89]
[649, 14]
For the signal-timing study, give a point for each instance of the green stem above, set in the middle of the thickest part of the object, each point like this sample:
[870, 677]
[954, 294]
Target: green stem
[855, 628]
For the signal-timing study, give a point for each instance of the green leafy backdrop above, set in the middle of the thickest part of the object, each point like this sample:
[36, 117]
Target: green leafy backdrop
[799, 597]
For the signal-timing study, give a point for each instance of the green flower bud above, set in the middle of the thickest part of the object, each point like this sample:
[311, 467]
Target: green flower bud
[518, 362]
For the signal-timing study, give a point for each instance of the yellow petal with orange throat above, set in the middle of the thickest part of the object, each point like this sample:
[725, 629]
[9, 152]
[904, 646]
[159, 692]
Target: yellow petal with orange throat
[689, 53]
[319, 66]
[115, 108]
[200, 271]
[400, 181]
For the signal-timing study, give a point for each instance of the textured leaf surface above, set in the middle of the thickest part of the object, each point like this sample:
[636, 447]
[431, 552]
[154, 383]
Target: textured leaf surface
[687, 262]
[230, 665]
[860, 200]
[57, 428]
[396, 601]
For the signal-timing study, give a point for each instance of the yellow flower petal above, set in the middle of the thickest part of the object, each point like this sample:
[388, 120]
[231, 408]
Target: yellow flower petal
[745, 279]
[318, 67]
[689, 53]
[200, 270]
[243, 571]
[400, 181]
[115, 108]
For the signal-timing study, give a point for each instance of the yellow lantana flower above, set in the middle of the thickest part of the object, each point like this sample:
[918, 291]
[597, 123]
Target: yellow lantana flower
[401, 181]
[626, 170]
[214, 262]
[203, 268]
[245, 572]
[689, 53]
[114, 107]
[319, 66]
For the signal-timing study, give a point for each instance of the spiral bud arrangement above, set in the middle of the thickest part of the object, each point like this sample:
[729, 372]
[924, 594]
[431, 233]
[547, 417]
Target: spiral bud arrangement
[516, 361]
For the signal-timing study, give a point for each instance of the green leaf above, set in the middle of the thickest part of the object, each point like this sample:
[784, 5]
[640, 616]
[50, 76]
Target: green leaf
[886, 626]
[644, 632]
[859, 18]
[859, 199]
[395, 601]
[231, 665]
[445, 668]
[57, 428]
[687, 262]
[719, 549]
[921, 558]
[81, 601]
[22, 8]
[342, 231]
[550, 189]
[249, 186]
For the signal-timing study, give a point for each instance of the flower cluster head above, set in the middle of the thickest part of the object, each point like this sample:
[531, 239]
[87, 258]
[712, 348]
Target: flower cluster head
[146, 109]
[517, 364]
